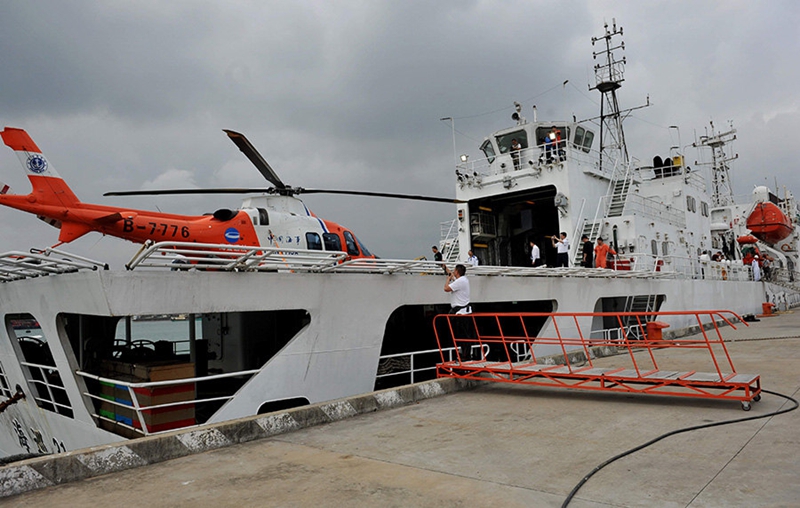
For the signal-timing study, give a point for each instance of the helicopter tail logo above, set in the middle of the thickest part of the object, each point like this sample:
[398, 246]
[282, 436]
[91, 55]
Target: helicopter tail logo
[48, 186]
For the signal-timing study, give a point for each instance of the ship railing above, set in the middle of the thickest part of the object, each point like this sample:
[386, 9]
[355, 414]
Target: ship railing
[647, 207]
[534, 157]
[141, 411]
[180, 256]
[685, 267]
[411, 367]
[48, 378]
[16, 265]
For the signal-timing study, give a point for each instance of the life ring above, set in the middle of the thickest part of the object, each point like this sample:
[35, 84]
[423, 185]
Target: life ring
[786, 247]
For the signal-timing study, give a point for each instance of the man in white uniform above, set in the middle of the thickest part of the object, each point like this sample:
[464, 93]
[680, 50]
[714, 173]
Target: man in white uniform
[458, 287]
[473, 259]
[536, 258]
[562, 245]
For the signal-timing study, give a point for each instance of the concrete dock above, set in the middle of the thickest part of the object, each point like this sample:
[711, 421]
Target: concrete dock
[496, 445]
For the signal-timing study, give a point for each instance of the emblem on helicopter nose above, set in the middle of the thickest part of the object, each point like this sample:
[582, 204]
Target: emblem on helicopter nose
[232, 235]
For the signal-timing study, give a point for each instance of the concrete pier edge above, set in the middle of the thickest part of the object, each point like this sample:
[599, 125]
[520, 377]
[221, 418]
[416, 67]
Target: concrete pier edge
[41, 472]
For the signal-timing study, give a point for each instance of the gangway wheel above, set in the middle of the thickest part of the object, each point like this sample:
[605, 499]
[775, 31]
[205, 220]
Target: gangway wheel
[746, 406]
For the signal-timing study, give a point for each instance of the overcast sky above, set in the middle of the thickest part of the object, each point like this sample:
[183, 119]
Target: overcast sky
[348, 95]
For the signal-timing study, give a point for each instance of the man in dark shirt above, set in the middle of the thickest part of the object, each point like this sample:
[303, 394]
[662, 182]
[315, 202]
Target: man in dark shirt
[588, 252]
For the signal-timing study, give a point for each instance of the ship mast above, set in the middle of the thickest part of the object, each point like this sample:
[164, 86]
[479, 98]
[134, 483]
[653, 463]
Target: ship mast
[720, 176]
[608, 79]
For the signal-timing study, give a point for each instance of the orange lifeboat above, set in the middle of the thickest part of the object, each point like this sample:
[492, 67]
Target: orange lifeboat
[768, 223]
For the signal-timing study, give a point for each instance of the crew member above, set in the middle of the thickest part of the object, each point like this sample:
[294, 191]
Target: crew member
[562, 246]
[515, 149]
[536, 257]
[601, 253]
[588, 252]
[473, 259]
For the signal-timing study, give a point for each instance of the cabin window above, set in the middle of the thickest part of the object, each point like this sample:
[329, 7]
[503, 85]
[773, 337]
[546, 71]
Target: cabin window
[263, 217]
[704, 208]
[691, 204]
[352, 247]
[665, 248]
[5, 386]
[504, 141]
[543, 132]
[313, 241]
[488, 151]
[654, 247]
[38, 364]
[332, 241]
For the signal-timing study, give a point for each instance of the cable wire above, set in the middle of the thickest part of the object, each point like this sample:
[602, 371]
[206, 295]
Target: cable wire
[679, 431]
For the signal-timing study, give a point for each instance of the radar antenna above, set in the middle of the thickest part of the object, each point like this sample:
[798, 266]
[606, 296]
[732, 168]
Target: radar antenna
[720, 177]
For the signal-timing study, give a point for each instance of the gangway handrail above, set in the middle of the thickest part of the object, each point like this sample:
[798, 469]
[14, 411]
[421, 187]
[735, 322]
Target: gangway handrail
[504, 332]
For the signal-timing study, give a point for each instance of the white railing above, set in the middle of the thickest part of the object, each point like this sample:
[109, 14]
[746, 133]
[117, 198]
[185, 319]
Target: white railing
[139, 409]
[197, 256]
[649, 208]
[16, 265]
[414, 369]
[50, 399]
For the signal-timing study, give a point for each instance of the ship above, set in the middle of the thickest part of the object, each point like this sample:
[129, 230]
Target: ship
[267, 329]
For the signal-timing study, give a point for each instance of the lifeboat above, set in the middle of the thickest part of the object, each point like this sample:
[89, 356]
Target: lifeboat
[768, 223]
[747, 240]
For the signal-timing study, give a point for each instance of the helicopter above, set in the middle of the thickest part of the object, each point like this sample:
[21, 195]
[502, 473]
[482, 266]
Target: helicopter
[274, 217]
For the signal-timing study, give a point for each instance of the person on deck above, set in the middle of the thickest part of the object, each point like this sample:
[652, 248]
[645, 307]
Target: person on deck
[588, 252]
[536, 255]
[562, 246]
[473, 259]
[601, 253]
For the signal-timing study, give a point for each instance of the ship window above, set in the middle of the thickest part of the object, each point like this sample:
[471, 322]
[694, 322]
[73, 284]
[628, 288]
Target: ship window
[691, 204]
[665, 248]
[332, 241]
[588, 138]
[263, 217]
[488, 150]
[704, 208]
[313, 241]
[350, 240]
[5, 386]
[543, 132]
[38, 364]
[504, 141]
[654, 247]
[578, 141]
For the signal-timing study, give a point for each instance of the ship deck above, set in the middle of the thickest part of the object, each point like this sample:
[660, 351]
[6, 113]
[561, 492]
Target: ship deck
[491, 445]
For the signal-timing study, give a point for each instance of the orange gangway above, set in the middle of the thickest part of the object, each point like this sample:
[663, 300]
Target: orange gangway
[509, 347]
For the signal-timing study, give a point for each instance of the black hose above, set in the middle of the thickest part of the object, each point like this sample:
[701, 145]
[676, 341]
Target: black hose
[678, 431]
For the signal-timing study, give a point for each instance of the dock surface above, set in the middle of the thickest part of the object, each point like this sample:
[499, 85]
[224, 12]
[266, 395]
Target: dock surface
[503, 445]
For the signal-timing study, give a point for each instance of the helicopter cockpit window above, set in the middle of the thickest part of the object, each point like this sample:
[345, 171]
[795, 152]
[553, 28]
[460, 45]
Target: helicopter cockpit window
[364, 250]
[488, 150]
[350, 240]
[263, 217]
[313, 241]
[504, 141]
[332, 241]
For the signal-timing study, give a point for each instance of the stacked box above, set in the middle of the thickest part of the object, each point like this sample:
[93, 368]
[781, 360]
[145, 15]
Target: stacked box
[158, 419]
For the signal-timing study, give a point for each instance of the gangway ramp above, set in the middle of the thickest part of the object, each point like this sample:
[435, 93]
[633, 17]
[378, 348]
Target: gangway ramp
[502, 347]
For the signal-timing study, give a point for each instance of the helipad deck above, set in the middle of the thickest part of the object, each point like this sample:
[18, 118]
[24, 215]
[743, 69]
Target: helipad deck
[496, 445]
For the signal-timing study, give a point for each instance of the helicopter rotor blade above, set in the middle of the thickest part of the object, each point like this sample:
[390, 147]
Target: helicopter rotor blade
[258, 161]
[162, 192]
[435, 199]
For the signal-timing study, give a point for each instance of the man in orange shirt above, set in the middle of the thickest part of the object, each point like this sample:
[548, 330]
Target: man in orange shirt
[601, 252]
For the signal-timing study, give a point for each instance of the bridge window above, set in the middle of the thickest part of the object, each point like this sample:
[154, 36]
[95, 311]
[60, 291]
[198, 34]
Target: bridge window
[504, 141]
[313, 241]
[332, 241]
[488, 151]
[38, 364]
[350, 240]
[588, 138]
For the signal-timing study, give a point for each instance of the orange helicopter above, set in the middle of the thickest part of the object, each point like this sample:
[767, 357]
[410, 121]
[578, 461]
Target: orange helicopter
[273, 218]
